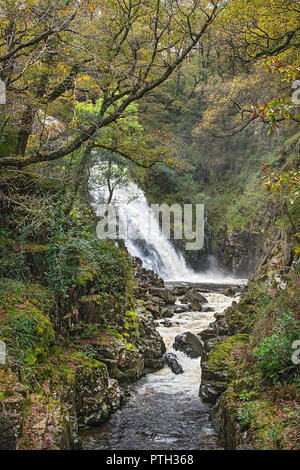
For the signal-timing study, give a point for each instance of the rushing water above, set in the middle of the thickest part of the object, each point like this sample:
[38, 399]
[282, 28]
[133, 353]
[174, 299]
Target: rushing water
[144, 238]
[164, 410]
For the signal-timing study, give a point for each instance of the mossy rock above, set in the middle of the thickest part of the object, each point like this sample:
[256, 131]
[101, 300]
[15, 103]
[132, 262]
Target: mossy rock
[221, 359]
[25, 325]
[48, 425]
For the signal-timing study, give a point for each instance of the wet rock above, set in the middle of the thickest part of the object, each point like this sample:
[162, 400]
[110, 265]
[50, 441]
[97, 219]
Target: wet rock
[196, 306]
[150, 344]
[219, 315]
[124, 363]
[224, 421]
[208, 346]
[154, 300]
[181, 308]
[207, 334]
[208, 373]
[115, 395]
[171, 360]
[239, 254]
[213, 382]
[154, 309]
[49, 425]
[192, 295]
[230, 292]
[179, 290]
[146, 275]
[190, 344]
[206, 308]
[91, 394]
[168, 311]
[210, 391]
[220, 327]
[164, 294]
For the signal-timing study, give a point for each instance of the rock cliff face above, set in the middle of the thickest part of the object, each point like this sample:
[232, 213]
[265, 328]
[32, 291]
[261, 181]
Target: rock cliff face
[247, 368]
[240, 253]
[75, 373]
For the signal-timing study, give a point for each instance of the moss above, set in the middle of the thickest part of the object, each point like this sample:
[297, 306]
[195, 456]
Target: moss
[85, 276]
[115, 334]
[79, 358]
[31, 248]
[221, 358]
[24, 325]
[130, 347]
[265, 409]
[131, 325]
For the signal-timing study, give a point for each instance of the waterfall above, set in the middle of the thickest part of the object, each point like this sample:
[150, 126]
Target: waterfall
[153, 248]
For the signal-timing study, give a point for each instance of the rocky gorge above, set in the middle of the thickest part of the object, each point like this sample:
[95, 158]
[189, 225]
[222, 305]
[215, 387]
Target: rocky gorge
[77, 373]
[254, 388]
[83, 367]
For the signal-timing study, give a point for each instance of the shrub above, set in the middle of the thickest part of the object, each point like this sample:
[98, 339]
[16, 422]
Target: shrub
[274, 352]
[246, 413]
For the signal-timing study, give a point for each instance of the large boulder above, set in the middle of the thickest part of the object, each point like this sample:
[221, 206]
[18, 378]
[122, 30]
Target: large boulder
[213, 383]
[181, 308]
[167, 311]
[211, 390]
[219, 327]
[149, 343]
[179, 290]
[192, 295]
[163, 294]
[171, 360]
[207, 334]
[124, 362]
[196, 306]
[49, 425]
[154, 309]
[190, 344]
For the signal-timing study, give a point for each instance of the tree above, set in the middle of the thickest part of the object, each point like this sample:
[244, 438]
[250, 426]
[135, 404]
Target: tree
[117, 51]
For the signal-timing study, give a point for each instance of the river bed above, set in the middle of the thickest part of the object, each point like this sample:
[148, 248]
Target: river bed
[164, 410]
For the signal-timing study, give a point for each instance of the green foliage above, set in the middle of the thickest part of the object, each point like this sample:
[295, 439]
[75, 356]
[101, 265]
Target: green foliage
[87, 330]
[246, 413]
[22, 328]
[274, 352]
[226, 353]
[13, 264]
[75, 257]
[26, 329]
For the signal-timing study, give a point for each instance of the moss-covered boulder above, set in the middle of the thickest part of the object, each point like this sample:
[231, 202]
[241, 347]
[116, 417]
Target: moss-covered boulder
[83, 383]
[48, 425]
[25, 324]
[220, 366]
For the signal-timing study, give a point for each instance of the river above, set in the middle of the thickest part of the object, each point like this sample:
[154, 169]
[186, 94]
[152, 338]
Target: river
[164, 410]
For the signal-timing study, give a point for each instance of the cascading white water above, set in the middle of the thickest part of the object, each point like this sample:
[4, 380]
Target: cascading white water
[145, 238]
[153, 248]
[164, 410]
